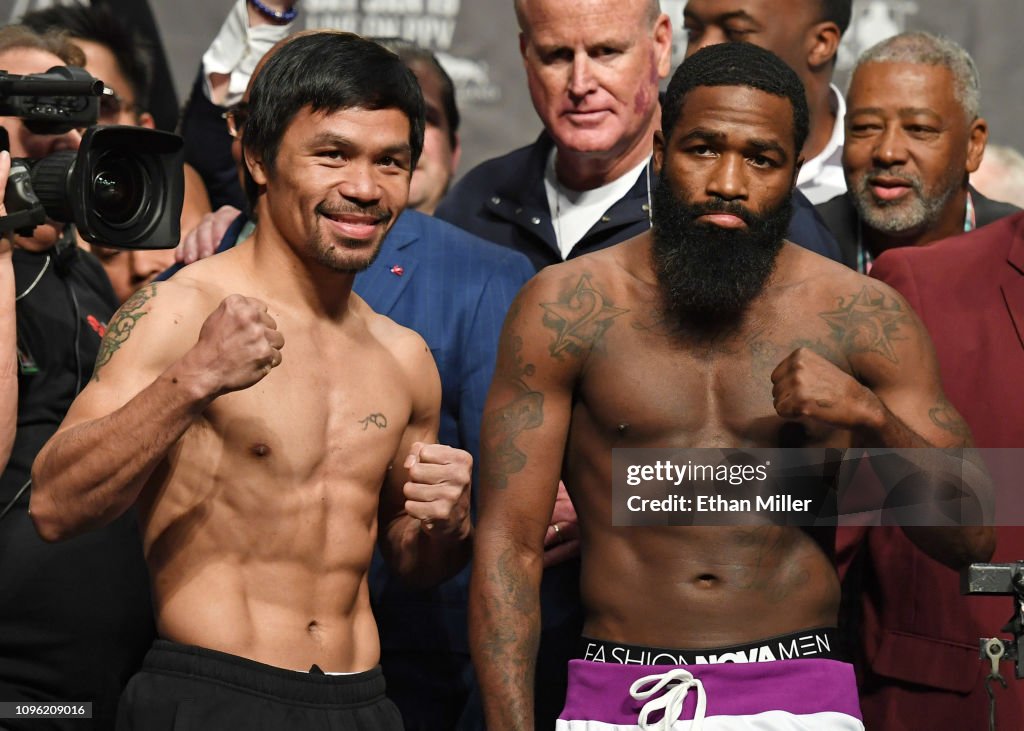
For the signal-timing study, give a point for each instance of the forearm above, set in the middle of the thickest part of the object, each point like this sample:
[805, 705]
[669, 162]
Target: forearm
[424, 558]
[8, 360]
[91, 473]
[504, 631]
[943, 485]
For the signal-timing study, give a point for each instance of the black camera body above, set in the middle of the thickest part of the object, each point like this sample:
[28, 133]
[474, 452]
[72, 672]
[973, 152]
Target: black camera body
[123, 188]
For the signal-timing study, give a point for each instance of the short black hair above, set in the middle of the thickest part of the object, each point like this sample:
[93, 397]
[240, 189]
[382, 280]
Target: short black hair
[412, 53]
[837, 11]
[328, 71]
[737, 64]
[96, 23]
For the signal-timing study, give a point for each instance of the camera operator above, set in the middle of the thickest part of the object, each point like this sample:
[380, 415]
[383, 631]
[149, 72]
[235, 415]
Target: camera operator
[75, 617]
[8, 343]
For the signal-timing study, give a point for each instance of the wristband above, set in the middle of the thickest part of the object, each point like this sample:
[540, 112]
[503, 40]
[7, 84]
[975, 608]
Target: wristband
[286, 16]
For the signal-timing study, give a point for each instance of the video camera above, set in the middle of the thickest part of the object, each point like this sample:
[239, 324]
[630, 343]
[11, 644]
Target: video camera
[123, 187]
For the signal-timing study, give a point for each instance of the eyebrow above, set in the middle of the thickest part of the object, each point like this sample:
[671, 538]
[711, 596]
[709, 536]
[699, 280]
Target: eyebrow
[901, 110]
[724, 17]
[758, 143]
[336, 140]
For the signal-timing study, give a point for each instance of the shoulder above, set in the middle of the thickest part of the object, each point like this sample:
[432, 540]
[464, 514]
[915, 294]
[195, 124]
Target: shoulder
[988, 210]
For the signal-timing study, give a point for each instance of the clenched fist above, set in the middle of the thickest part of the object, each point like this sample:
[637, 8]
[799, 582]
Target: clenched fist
[808, 386]
[437, 492]
[238, 344]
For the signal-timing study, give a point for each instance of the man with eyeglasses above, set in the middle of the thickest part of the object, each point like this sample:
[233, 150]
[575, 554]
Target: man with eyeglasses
[122, 59]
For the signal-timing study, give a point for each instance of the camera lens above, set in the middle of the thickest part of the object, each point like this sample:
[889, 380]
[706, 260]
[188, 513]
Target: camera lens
[119, 187]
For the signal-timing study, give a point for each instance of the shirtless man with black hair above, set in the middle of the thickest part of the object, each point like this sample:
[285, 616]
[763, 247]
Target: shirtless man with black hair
[709, 331]
[270, 426]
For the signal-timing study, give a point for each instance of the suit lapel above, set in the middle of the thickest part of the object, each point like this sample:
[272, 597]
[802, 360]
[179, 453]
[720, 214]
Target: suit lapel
[1012, 284]
[383, 283]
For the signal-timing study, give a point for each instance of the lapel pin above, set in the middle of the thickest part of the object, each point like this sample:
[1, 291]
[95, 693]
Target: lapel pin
[398, 270]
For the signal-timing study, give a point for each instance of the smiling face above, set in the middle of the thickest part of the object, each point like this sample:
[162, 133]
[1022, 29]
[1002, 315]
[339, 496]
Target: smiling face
[593, 68]
[338, 183]
[909, 147]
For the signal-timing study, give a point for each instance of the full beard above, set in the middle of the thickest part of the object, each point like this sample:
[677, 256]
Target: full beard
[709, 275]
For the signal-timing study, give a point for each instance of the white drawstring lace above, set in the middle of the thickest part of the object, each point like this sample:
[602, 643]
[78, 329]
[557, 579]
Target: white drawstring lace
[672, 701]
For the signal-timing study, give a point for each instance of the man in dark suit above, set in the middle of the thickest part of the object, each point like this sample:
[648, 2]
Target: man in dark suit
[913, 136]
[921, 636]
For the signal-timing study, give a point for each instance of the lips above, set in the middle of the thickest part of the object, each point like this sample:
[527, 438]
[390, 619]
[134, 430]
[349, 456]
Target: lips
[888, 188]
[354, 225]
[723, 220]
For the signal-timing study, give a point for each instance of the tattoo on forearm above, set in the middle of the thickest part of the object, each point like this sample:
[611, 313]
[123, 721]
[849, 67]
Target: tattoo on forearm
[378, 420]
[502, 426]
[121, 326]
[866, 322]
[944, 416]
[579, 318]
[513, 636]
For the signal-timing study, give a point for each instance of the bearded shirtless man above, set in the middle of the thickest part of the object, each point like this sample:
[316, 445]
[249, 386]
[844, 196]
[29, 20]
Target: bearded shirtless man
[710, 331]
[253, 407]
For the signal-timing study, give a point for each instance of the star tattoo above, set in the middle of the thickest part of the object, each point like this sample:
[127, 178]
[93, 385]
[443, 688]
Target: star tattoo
[579, 318]
[866, 323]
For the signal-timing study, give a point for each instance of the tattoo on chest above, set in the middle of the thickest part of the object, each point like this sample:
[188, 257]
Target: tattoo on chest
[866, 322]
[579, 318]
[378, 420]
[121, 326]
[504, 425]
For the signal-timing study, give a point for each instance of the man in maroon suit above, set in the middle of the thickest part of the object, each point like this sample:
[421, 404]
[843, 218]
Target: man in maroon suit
[920, 637]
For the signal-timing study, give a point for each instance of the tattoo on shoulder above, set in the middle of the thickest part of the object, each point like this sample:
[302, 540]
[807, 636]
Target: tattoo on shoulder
[378, 420]
[579, 318]
[120, 328]
[867, 322]
[504, 425]
[944, 416]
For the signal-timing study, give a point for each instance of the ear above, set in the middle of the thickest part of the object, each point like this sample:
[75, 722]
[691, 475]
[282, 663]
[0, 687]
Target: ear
[796, 172]
[659, 150]
[823, 44]
[522, 45]
[456, 154]
[256, 168]
[146, 120]
[663, 45]
[976, 142]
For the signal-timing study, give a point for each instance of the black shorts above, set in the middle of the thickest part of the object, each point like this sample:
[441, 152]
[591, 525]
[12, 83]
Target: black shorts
[185, 688]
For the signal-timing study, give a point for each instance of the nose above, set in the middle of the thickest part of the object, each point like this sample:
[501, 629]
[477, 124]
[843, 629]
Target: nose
[708, 36]
[728, 180]
[68, 141]
[581, 80]
[147, 264]
[360, 183]
[890, 148]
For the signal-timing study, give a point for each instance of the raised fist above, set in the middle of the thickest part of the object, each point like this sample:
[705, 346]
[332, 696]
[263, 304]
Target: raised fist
[808, 386]
[437, 492]
[239, 343]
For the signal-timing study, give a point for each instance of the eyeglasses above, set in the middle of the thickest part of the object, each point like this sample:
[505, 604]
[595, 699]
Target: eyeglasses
[236, 116]
[112, 104]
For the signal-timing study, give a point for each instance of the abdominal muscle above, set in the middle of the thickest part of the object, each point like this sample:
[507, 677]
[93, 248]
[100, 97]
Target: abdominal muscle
[693, 588]
[265, 568]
